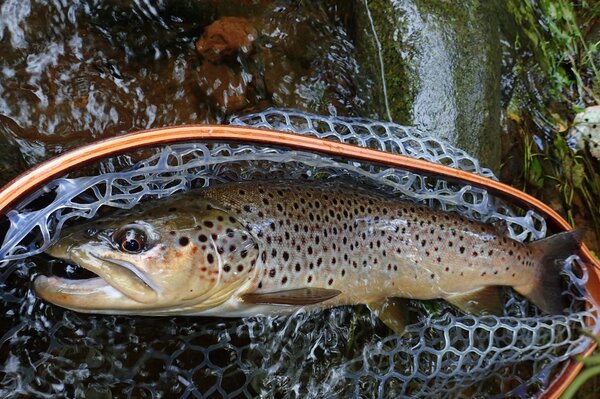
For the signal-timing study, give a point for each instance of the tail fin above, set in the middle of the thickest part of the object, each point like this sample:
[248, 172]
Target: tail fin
[546, 291]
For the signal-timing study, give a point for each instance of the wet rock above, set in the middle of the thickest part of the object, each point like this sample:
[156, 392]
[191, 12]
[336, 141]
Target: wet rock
[436, 65]
[226, 38]
[223, 87]
[307, 60]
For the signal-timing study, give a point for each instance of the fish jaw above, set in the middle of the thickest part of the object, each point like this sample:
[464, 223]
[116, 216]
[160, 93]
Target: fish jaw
[93, 295]
[119, 282]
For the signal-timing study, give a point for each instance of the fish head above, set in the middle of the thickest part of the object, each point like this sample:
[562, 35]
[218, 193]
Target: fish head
[165, 259]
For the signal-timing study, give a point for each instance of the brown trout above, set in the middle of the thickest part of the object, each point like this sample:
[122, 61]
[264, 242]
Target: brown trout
[252, 248]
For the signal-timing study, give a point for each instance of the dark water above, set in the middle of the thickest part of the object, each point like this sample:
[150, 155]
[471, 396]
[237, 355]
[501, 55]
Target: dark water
[72, 72]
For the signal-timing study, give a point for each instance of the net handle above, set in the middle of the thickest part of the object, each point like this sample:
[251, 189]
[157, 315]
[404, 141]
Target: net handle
[44, 172]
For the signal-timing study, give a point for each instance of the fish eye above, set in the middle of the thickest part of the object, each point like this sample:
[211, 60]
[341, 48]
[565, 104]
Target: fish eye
[130, 240]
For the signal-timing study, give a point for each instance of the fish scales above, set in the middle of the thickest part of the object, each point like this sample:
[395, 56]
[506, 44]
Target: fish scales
[369, 246]
[270, 247]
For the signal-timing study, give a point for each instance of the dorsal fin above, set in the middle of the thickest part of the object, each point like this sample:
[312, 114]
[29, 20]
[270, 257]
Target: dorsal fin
[298, 297]
[501, 227]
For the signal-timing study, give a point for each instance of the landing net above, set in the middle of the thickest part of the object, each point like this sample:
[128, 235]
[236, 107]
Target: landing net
[346, 352]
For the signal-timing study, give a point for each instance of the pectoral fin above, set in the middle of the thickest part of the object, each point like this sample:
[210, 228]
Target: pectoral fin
[298, 297]
[393, 312]
[485, 300]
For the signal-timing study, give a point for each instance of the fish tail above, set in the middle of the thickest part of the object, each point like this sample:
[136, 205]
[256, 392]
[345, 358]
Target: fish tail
[545, 290]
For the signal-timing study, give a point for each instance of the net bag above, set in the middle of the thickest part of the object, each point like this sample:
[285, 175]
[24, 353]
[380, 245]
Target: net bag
[344, 352]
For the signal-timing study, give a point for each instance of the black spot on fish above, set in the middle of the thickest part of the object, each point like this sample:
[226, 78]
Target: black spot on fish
[226, 268]
[183, 241]
[208, 224]
[210, 258]
[462, 250]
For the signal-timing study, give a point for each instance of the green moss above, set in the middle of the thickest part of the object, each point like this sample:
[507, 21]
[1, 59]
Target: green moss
[441, 69]
[395, 73]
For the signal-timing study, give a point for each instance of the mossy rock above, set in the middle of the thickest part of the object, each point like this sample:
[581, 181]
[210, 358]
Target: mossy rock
[441, 68]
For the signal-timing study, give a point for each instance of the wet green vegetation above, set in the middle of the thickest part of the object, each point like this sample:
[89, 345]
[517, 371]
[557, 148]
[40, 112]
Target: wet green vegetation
[556, 77]
[555, 49]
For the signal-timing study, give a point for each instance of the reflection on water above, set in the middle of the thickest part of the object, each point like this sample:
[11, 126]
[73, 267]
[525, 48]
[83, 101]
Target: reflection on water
[75, 71]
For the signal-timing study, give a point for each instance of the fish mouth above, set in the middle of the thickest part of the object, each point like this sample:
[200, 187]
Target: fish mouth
[118, 285]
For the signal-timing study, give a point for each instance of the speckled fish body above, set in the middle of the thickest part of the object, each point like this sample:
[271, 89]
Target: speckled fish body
[229, 250]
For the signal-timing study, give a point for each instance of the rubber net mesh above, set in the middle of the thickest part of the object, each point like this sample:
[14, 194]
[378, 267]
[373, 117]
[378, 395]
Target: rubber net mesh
[346, 352]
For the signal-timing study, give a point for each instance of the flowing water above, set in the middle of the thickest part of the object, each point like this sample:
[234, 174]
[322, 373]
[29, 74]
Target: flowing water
[73, 72]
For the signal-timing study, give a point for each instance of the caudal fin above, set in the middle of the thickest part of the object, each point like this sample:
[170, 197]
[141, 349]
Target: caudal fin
[546, 291]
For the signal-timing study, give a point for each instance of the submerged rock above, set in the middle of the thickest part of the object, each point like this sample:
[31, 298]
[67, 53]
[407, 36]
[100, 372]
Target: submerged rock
[436, 65]
[223, 87]
[225, 38]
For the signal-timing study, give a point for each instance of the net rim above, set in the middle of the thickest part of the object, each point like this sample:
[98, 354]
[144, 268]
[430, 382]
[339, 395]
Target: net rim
[22, 185]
